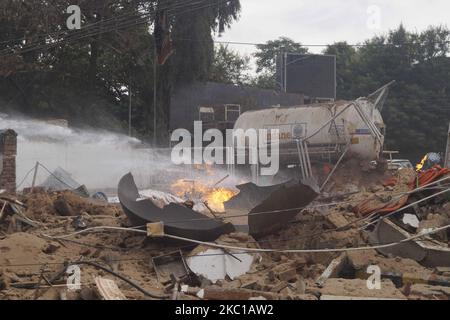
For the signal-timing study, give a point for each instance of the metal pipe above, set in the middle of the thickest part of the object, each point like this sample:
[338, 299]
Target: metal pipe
[154, 96]
[304, 160]
[334, 168]
[308, 160]
[302, 169]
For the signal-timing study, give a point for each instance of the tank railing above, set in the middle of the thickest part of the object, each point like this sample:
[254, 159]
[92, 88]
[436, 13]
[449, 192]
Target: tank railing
[302, 145]
[373, 129]
[327, 123]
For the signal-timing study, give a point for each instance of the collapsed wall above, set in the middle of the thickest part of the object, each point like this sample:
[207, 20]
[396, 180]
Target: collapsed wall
[8, 151]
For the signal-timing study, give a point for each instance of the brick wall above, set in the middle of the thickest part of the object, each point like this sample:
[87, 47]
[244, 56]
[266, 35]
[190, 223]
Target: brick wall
[8, 151]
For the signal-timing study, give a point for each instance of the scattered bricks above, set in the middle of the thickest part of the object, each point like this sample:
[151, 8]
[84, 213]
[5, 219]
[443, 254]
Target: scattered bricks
[425, 291]
[5, 282]
[217, 293]
[299, 286]
[358, 288]
[62, 207]
[51, 248]
[251, 284]
[85, 252]
[337, 220]
[271, 276]
[284, 272]
[375, 188]
[278, 287]
[287, 292]
[8, 151]
[299, 263]
[288, 275]
[30, 190]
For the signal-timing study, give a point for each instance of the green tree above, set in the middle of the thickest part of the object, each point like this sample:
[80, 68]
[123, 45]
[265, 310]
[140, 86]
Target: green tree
[84, 75]
[417, 111]
[229, 66]
[345, 60]
[266, 60]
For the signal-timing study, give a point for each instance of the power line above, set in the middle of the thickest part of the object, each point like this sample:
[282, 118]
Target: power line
[129, 13]
[133, 19]
[222, 246]
[246, 43]
[113, 25]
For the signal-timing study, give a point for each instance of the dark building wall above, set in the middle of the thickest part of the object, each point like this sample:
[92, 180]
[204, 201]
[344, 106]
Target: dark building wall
[186, 100]
[8, 151]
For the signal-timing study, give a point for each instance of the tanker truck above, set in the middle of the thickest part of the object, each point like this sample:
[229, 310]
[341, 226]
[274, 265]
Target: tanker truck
[325, 131]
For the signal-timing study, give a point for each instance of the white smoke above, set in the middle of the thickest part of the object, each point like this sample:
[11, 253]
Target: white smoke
[95, 158]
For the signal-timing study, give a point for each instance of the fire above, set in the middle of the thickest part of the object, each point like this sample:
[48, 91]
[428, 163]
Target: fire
[196, 190]
[217, 197]
[420, 165]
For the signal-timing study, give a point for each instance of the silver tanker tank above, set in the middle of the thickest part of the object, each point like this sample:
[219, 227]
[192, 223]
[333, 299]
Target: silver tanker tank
[328, 128]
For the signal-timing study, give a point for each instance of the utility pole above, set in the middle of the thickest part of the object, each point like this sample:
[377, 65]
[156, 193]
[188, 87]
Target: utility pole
[129, 111]
[447, 150]
[155, 67]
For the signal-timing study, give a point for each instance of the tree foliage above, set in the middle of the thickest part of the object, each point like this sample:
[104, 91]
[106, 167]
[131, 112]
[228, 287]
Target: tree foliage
[266, 60]
[229, 66]
[417, 112]
[86, 79]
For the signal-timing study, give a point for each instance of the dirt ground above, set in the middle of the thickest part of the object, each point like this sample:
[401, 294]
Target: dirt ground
[29, 259]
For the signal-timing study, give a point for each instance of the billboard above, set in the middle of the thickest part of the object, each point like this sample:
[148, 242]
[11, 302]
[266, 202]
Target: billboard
[309, 74]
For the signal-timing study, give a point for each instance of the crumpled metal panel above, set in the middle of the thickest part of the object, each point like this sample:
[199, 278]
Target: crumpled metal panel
[178, 220]
[271, 207]
[428, 253]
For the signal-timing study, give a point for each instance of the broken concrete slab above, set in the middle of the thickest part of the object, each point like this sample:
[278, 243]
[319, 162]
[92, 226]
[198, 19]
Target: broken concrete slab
[358, 288]
[215, 264]
[333, 270]
[360, 260]
[108, 289]
[425, 291]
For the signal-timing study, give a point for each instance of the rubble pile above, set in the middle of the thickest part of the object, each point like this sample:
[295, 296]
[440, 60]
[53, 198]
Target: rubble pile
[43, 235]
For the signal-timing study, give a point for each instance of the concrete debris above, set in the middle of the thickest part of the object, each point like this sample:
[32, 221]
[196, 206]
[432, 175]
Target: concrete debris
[428, 292]
[108, 289]
[359, 288]
[216, 264]
[411, 219]
[33, 260]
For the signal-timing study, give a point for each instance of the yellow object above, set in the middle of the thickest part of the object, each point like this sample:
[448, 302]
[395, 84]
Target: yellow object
[420, 165]
[155, 230]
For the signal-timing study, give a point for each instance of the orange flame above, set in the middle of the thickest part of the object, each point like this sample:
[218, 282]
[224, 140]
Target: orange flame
[420, 165]
[214, 197]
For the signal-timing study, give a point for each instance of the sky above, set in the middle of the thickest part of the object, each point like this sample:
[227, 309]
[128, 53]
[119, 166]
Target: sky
[328, 21]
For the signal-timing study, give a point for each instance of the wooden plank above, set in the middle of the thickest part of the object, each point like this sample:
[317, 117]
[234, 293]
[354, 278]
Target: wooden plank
[333, 270]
